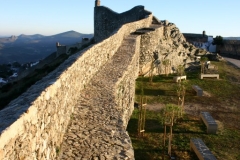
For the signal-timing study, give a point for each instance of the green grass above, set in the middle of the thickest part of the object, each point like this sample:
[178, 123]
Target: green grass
[224, 145]
[223, 95]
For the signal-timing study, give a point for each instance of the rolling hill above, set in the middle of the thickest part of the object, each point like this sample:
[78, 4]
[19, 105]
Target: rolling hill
[30, 48]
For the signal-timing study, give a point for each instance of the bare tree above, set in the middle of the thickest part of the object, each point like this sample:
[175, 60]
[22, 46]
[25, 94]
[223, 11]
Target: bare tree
[181, 92]
[142, 112]
[169, 114]
[202, 61]
[154, 61]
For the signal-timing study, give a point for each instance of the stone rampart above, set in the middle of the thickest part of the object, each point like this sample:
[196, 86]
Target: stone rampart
[107, 21]
[100, 132]
[67, 49]
[231, 48]
[125, 87]
[32, 126]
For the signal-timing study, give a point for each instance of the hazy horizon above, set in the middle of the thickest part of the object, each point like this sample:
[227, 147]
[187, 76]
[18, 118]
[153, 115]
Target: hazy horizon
[7, 36]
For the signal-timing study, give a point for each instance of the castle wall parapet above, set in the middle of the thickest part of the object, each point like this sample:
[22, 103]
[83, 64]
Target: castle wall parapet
[107, 21]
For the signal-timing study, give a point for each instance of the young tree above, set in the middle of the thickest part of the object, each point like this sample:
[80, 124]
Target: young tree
[180, 71]
[181, 92]
[154, 61]
[151, 70]
[167, 64]
[169, 114]
[202, 61]
[142, 112]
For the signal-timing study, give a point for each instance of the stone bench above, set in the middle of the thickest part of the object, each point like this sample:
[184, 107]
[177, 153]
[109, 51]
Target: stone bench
[201, 150]
[210, 66]
[209, 76]
[209, 122]
[177, 78]
[198, 90]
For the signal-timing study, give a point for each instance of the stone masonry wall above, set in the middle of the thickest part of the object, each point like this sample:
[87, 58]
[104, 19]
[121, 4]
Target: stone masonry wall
[230, 48]
[32, 126]
[149, 43]
[100, 132]
[107, 21]
[125, 87]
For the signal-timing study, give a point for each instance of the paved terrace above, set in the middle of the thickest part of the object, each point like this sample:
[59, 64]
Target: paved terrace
[96, 130]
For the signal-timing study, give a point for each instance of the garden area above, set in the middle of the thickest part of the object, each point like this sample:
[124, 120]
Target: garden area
[220, 98]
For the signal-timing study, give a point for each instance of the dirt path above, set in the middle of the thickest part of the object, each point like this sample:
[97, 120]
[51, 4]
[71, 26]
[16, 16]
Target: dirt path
[221, 111]
[236, 62]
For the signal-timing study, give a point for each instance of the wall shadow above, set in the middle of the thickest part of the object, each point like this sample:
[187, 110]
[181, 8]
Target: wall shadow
[156, 92]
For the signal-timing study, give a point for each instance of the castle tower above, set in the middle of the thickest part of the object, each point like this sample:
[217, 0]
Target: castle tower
[97, 3]
[96, 18]
[204, 33]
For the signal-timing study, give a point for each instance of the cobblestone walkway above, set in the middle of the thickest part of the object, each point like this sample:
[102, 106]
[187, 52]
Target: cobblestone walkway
[96, 129]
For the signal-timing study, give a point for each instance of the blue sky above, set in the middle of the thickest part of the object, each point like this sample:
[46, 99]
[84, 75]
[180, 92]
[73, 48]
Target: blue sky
[49, 17]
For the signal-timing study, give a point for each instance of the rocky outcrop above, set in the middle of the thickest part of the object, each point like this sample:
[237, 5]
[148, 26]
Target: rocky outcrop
[162, 42]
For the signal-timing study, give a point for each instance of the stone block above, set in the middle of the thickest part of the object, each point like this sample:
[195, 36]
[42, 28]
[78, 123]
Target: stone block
[201, 150]
[178, 78]
[209, 76]
[209, 122]
[198, 90]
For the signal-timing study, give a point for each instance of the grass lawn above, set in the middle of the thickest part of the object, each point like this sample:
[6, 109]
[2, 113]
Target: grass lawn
[221, 99]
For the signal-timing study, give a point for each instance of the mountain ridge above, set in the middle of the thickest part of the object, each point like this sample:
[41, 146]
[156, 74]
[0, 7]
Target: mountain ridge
[30, 48]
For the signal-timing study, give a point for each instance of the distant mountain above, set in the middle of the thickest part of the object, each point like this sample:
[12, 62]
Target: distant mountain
[8, 39]
[35, 36]
[71, 34]
[30, 48]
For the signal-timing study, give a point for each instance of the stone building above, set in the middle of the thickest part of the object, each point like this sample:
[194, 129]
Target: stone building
[201, 41]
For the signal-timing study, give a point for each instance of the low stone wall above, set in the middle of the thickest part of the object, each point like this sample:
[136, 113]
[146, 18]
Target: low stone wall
[32, 126]
[230, 48]
[125, 87]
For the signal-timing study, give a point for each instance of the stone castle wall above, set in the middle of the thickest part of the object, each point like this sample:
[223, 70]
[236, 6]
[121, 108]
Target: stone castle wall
[107, 21]
[100, 132]
[230, 48]
[66, 49]
[32, 126]
[125, 87]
